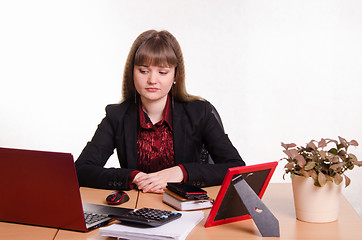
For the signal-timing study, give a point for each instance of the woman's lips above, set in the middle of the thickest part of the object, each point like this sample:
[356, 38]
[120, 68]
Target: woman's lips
[152, 89]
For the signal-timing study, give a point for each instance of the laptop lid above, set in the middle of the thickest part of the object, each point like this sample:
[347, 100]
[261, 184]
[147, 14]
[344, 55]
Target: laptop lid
[40, 188]
[228, 207]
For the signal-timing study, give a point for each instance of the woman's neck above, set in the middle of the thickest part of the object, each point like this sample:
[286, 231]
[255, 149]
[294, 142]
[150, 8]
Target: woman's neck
[154, 109]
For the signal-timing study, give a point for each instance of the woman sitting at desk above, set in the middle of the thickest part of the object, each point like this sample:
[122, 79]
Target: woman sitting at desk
[158, 130]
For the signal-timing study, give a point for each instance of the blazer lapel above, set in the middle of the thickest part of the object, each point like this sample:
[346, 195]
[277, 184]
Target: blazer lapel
[178, 132]
[130, 129]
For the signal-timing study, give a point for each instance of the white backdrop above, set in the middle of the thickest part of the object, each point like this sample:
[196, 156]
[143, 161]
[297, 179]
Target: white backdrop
[276, 70]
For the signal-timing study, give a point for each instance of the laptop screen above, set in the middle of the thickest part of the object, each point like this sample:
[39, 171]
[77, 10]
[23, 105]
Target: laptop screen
[40, 188]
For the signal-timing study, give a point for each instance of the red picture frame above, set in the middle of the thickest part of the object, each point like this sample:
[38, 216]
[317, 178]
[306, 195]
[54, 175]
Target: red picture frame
[228, 207]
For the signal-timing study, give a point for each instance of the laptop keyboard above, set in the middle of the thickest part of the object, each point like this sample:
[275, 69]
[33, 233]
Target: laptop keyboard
[91, 218]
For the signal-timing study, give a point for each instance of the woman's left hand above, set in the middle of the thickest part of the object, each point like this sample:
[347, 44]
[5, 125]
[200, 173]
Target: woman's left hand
[156, 182]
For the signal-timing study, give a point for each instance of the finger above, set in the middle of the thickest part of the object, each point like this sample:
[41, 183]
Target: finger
[148, 184]
[142, 185]
[140, 177]
[152, 186]
[156, 190]
[148, 187]
[155, 187]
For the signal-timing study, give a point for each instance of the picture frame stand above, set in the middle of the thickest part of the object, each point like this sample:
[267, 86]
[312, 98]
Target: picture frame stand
[264, 219]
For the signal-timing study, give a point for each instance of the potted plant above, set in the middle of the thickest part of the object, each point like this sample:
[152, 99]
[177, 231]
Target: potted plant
[317, 171]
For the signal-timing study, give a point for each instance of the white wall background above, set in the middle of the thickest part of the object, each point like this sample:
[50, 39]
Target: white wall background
[276, 70]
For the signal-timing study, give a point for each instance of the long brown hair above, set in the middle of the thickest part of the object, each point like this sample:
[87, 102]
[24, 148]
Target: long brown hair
[158, 48]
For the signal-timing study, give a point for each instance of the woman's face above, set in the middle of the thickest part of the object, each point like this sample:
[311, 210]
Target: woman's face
[153, 83]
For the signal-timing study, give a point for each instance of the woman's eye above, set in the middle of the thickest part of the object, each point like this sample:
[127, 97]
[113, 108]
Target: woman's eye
[163, 73]
[143, 71]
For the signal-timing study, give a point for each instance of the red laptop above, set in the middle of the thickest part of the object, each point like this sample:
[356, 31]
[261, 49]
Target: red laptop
[41, 188]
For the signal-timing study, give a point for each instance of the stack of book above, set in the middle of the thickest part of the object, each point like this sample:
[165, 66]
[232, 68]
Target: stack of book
[183, 204]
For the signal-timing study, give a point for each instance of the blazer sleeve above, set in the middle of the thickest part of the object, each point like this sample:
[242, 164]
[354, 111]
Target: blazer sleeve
[90, 164]
[219, 146]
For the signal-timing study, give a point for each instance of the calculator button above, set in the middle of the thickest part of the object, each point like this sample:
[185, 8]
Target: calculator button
[148, 216]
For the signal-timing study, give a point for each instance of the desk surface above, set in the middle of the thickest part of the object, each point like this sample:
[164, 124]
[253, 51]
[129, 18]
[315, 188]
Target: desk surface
[278, 197]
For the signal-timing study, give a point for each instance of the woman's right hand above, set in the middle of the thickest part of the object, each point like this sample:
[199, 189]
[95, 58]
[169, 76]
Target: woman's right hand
[156, 182]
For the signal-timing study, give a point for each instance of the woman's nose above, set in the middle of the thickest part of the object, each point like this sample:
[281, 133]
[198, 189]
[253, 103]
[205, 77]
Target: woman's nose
[152, 78]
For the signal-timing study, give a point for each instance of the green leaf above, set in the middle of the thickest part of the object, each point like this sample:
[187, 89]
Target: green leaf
[284, 146]
[321, 179]
[304, 173]
[347, 179]
[339, 146]
[331, 140]
[314, 175]
[352, 157]
[309, 166]
[338, 179]
[353, 143]
[342, 153]
[333, 151]
[301, 161]
[312, 145]
[289, 145]
[334, 159]
[289, 165]
[322, 143]
[323, 154]
[292, 153]
[335, 167]
[351, 167]
[344, 143]
[329, 178]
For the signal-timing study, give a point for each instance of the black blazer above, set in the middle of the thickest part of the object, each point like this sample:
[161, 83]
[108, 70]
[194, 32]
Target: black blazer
[194, 124]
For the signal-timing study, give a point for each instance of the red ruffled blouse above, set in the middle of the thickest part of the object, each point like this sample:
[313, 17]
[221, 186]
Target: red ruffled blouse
[155, 144]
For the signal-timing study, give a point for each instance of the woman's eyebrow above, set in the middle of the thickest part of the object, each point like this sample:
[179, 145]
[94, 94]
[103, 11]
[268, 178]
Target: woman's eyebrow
[163, 66]
[144, 65]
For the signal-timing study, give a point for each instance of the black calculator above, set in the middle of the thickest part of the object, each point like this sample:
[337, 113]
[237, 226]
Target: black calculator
[149, 217]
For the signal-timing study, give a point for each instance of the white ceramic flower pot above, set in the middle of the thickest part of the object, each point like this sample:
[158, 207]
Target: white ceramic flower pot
[315, 204]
